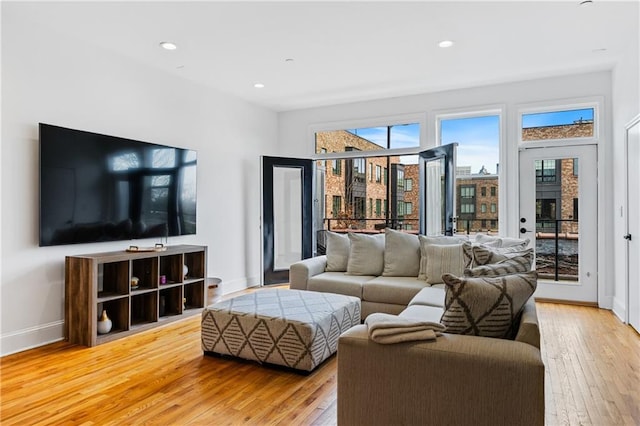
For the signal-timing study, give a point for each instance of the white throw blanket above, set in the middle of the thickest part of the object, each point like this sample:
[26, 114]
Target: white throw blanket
[387, 329]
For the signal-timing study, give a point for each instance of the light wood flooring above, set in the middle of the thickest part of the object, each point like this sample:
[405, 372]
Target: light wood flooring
[161, 377]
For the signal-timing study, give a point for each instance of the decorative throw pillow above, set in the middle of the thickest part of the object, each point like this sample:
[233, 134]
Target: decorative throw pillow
[505, 267]
[486, 306]
[501, 242]
[426, 242]
[337, 252]
[452, 259]
[366, 255]
[483, 255]
[401, 254]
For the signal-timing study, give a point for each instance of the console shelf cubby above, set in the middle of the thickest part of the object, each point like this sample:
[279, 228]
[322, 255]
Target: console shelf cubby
[161, 293]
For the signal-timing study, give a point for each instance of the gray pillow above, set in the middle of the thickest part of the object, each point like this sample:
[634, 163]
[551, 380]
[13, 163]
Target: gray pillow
[486, 306]
[401, 254]
[426, 242]
[337, 252]
[483, 255]
[366, 255]
[505, 267]
[447, 258]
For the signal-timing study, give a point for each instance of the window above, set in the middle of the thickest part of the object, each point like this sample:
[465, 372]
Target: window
[545, 171]
[386, 206]
[385, 176]
[337, 206]
[467, 208]
[408, 184]
[575, 208]
[483, 223]
[408, 208]
[559, 124]
[478, 155]
[483, 207]
[401, 207]
[494, 224]
[467, 191]
[575, 167]
[378, 207]
[370, 207]
[494, 208]
[400, 180]
[359, 208]
[378, 173]
[370, 172]
[394, 136]
[337, 167]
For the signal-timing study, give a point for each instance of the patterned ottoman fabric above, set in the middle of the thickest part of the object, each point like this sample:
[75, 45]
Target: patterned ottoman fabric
[293, 328]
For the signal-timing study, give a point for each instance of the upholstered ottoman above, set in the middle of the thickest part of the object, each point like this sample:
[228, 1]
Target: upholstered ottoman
[293, 328]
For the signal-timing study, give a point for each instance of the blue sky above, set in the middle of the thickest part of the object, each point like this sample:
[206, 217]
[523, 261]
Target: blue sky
[477, 137]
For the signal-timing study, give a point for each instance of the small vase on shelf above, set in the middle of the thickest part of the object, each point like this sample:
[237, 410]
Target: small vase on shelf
[185, 271]
[104, 323]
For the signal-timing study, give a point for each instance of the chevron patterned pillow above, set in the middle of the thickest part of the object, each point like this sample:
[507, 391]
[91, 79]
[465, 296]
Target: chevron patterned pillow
[483, 255]
[487, 306]
[504, 267]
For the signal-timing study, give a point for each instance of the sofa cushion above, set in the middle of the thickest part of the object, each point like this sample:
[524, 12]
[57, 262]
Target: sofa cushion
[337, 252]
[396, 290]
[483, 255]
[501, 242]
[452, 259]
[486, 306]
[338, 282]
[430, 296]
[366, 254]
[425, 242]
[505, 267]
[401, 254]
[422, 313]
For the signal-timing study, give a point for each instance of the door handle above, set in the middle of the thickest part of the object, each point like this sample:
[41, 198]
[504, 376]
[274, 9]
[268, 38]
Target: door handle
[627, 237]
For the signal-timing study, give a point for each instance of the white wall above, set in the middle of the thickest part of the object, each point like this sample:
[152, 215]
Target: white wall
[296, 136]
[626, 105]
[50, 78]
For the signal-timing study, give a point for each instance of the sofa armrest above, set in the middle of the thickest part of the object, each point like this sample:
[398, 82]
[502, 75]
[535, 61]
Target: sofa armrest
[300, 272]
[454, 380]
[529, 330]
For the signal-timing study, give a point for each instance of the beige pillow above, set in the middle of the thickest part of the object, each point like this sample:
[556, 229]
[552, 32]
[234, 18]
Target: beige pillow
[501, 242]
[337, 252]
[426, 242]
[401, 254]
[451, 258]
[366, 255]
[505, 267]
[483, 255]
[486, 306]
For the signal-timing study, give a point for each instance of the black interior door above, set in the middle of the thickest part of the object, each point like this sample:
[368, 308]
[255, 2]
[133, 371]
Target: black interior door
[438, 183]
[287, 210]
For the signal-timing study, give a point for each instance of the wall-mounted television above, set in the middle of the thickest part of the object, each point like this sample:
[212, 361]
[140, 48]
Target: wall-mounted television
[95, 188]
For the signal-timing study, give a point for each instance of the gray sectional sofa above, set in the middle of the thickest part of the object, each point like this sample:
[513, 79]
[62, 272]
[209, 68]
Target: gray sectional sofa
[459, 379]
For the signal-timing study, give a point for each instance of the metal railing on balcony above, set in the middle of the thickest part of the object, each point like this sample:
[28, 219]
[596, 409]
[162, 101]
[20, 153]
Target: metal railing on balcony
[560, 257]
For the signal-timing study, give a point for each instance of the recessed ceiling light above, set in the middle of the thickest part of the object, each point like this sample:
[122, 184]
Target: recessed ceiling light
[258, 85]
[289, 60]
[445, 43]
[168, 45]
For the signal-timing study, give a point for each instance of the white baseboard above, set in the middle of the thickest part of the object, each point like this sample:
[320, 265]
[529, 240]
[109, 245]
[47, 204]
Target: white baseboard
[619, 309]
[32, 337]
[239, 284]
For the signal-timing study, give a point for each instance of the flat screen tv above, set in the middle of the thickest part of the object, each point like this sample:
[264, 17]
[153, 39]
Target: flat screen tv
[97, 188]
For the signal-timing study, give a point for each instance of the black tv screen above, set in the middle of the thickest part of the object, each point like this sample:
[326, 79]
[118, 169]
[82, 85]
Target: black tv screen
[97, 188]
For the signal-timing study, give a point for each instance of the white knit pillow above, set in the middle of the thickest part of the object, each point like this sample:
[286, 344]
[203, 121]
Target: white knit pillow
[425, 242]
[447, 259]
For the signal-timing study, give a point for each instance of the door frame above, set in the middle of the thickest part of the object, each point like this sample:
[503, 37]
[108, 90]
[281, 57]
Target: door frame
[448, 153]
[269, 274]
[564, 290]
[627, 315]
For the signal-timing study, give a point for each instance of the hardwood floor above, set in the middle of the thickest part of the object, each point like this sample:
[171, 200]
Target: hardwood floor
[161, 377]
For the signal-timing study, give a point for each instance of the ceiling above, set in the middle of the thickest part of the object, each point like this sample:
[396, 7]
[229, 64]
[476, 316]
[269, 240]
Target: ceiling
[350, 51]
